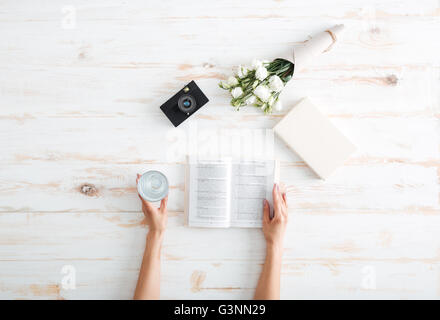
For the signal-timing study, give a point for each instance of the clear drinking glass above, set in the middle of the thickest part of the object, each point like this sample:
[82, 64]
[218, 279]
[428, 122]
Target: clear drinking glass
[153, 186]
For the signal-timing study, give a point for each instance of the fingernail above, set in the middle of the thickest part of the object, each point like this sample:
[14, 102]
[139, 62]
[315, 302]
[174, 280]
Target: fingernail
[278, 187]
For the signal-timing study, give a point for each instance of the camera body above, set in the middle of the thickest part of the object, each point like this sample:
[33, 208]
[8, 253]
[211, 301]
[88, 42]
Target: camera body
[184, 103]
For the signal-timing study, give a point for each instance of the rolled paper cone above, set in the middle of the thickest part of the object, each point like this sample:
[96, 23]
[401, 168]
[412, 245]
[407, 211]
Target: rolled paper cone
[304, 54]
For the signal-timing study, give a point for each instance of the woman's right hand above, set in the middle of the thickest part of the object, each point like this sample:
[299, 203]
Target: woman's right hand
[275, 228]
[156, 217]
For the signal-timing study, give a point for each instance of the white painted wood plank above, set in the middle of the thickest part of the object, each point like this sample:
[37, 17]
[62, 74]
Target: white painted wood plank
[132, 140]
[87, 93]
[200, 27]
[409, 188]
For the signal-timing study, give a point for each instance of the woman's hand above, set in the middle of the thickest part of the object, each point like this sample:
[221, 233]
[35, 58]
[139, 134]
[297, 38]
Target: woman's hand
[268, 286]
[148, 285]
[275, 228]
[156, 217]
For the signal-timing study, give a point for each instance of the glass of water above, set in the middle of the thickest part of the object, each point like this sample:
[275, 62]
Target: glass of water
[153, 186]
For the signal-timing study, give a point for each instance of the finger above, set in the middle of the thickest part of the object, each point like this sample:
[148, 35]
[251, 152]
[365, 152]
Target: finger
[163, 205]
[282, 187]
[147, 204]
[276, 198]
[283, 190]
[138, 176]
[281, 197]
[266, 211]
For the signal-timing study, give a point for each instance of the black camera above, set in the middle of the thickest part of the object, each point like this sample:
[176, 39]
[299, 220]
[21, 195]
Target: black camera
[184, 103]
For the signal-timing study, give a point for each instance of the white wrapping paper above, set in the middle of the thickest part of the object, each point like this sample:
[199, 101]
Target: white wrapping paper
[305, 53]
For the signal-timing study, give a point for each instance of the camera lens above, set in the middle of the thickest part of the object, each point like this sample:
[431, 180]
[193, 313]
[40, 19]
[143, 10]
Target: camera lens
[186, 103]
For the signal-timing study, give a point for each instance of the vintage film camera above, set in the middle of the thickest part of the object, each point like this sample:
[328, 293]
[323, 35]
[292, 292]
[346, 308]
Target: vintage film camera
[184, 103]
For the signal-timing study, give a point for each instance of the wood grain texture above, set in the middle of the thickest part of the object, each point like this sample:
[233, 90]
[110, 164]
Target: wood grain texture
[79, 118]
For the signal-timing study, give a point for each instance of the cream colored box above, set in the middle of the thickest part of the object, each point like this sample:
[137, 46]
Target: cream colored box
[314, 138]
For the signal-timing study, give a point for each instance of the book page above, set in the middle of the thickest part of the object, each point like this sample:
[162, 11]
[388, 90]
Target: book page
[252, 182]
[209, 194]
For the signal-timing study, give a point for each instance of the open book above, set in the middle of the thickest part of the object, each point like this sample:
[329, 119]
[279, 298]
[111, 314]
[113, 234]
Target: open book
[224, 194]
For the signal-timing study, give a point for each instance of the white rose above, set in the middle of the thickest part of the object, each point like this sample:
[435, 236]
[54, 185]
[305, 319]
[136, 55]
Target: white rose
[251, 100]
[276, 84]
[256, 63]
[236, 92]
[242, 72]
[262, 92]
[261, 73]
[232, 81]
[278, 105]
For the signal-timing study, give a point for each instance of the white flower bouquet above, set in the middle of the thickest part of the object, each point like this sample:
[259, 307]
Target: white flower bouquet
[259, 85]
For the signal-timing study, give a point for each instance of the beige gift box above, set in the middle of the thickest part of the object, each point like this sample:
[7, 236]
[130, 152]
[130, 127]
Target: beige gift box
[314, 138]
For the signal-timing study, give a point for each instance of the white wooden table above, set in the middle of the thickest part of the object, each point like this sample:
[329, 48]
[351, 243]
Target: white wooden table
[81, 83]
